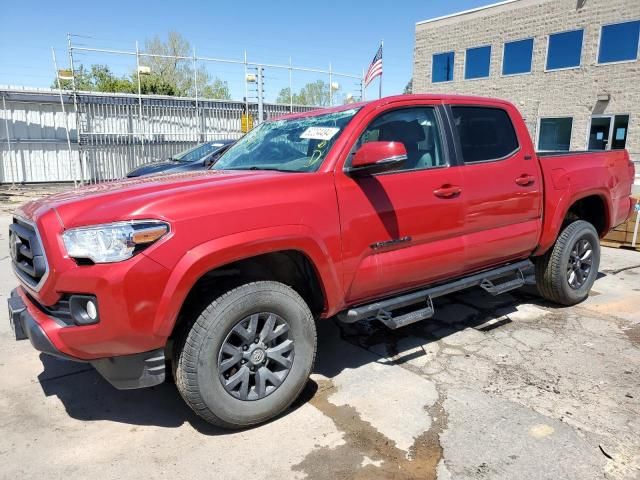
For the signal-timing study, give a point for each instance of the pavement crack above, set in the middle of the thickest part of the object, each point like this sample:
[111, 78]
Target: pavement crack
[620, 270]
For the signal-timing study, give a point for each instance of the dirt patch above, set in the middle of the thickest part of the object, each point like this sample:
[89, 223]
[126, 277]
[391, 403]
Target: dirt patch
[633, 334]
[368, 454]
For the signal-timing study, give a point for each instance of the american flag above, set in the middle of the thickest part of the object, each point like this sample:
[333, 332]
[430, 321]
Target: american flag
[375, 69]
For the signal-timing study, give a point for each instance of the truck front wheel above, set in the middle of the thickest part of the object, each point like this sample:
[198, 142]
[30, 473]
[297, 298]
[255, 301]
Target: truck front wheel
[248, 355]
[566, 273]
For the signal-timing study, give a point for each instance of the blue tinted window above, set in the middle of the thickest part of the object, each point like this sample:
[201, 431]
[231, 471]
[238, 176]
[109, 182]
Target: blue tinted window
[477, 63]
[619, 43]
[565, 50]
[442, 70]
[517, 57]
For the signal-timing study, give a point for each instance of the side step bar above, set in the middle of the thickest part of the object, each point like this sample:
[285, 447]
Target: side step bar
[496, 281]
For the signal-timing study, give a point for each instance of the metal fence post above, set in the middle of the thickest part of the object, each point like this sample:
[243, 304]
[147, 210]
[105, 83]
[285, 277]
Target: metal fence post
[64, 114]
[75, 108]
[140, 126]
[200, 134]
[260, 96]
[290, 88]
[14, 168]
[246, 88]
[330, 87]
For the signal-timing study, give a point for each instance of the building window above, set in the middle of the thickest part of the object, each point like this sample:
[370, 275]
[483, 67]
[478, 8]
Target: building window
[619, 42]
[484, 133]
[564, 50]
[477, 63]
[555, 134]
[442, 69]
[517, 57]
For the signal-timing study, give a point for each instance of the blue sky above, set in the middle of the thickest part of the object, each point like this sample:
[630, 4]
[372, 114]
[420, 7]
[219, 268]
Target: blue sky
[314, 34]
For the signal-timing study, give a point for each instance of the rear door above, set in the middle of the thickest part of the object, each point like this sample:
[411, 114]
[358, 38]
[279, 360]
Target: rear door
[501, 181]
[402, 228]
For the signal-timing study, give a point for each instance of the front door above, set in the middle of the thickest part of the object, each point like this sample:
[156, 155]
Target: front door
[401, 229]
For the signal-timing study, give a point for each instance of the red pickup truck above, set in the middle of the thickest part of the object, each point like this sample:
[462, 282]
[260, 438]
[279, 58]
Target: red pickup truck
[367, 210]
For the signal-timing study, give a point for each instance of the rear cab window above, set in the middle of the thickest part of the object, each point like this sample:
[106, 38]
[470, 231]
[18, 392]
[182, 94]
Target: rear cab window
[485, 133]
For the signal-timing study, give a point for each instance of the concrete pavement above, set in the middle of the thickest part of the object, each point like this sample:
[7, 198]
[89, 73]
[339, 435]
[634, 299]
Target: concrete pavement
[506, 387]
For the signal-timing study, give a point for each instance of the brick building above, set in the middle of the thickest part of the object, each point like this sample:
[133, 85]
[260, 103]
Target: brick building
[571, 66]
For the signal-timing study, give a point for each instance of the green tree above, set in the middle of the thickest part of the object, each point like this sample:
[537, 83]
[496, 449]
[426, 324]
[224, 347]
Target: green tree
[97, 79]
[169, 76]
[179, 73]
[284, 96]
[217, 89]
[314, 94]
[105, 81]
[82, 80]
[409, 88]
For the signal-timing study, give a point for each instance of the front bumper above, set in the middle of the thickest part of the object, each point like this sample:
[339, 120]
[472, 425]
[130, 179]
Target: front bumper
[139, 370]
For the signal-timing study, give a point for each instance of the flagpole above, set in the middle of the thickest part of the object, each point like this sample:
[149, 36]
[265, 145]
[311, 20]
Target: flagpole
[382, 56]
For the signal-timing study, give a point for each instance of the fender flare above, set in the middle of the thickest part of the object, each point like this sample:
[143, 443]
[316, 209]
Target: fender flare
[222, 251]
[553, 223]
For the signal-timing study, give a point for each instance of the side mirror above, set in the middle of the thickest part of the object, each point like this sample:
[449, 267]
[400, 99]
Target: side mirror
[377, 157]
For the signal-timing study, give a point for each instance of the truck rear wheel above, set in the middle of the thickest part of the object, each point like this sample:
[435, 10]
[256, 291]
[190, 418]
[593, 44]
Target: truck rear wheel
[248, 355]
[566, 273]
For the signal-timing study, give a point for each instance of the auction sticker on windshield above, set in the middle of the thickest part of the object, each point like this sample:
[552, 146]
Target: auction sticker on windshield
[319, 133]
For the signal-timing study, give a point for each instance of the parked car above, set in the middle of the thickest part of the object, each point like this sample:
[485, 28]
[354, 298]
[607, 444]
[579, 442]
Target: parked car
[367, 210]
[196, 158]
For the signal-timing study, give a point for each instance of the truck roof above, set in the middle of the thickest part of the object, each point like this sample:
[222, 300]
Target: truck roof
[390, 99]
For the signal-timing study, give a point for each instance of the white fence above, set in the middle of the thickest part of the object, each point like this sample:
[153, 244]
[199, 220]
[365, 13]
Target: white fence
[111, 134]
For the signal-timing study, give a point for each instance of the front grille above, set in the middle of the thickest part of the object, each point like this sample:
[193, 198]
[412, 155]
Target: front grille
[27, 254]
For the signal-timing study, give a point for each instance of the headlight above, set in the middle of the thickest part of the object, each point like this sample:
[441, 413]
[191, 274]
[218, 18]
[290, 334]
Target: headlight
[112, 242]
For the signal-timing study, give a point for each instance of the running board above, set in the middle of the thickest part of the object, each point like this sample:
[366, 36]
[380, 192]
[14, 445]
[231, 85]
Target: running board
[422, 300]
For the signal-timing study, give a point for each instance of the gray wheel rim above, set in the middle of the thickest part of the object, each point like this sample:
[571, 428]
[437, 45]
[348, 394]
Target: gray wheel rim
[580, 263]
[256, 356]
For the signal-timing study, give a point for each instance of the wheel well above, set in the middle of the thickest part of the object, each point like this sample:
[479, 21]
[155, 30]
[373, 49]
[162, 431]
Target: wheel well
[291, 267]
[590, 209]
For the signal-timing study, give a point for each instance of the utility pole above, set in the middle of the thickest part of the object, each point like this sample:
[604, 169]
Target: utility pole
[260, 94]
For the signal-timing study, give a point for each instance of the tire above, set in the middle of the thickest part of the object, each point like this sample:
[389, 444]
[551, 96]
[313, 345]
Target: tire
[202, 367]
[553, 269]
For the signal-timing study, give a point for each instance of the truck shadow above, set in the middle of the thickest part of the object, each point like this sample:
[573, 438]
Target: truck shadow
[86, 396]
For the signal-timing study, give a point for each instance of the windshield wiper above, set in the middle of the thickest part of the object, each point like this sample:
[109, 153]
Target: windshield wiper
[257, 168]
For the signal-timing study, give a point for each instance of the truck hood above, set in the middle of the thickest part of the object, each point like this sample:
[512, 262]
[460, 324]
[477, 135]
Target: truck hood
[136, 198]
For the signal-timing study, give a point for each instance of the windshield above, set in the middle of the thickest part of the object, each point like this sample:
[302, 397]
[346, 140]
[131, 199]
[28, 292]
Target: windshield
[296, 145]
[196, 153]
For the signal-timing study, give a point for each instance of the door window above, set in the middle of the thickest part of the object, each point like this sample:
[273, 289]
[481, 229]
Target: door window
[417, 129]
[485, 133]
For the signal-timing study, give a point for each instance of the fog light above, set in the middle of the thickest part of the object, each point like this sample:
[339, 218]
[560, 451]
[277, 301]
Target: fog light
[84, 309]
[91, 310]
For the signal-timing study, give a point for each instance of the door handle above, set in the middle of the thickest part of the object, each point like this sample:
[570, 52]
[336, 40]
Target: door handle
[447, 191]
[525, 180]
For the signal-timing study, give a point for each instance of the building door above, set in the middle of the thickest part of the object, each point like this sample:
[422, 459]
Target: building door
[619, 134]
[600, 133]
[608, 132]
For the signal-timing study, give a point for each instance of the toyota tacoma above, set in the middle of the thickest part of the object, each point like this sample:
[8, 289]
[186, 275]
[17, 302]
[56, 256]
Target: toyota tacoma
[363, 211]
